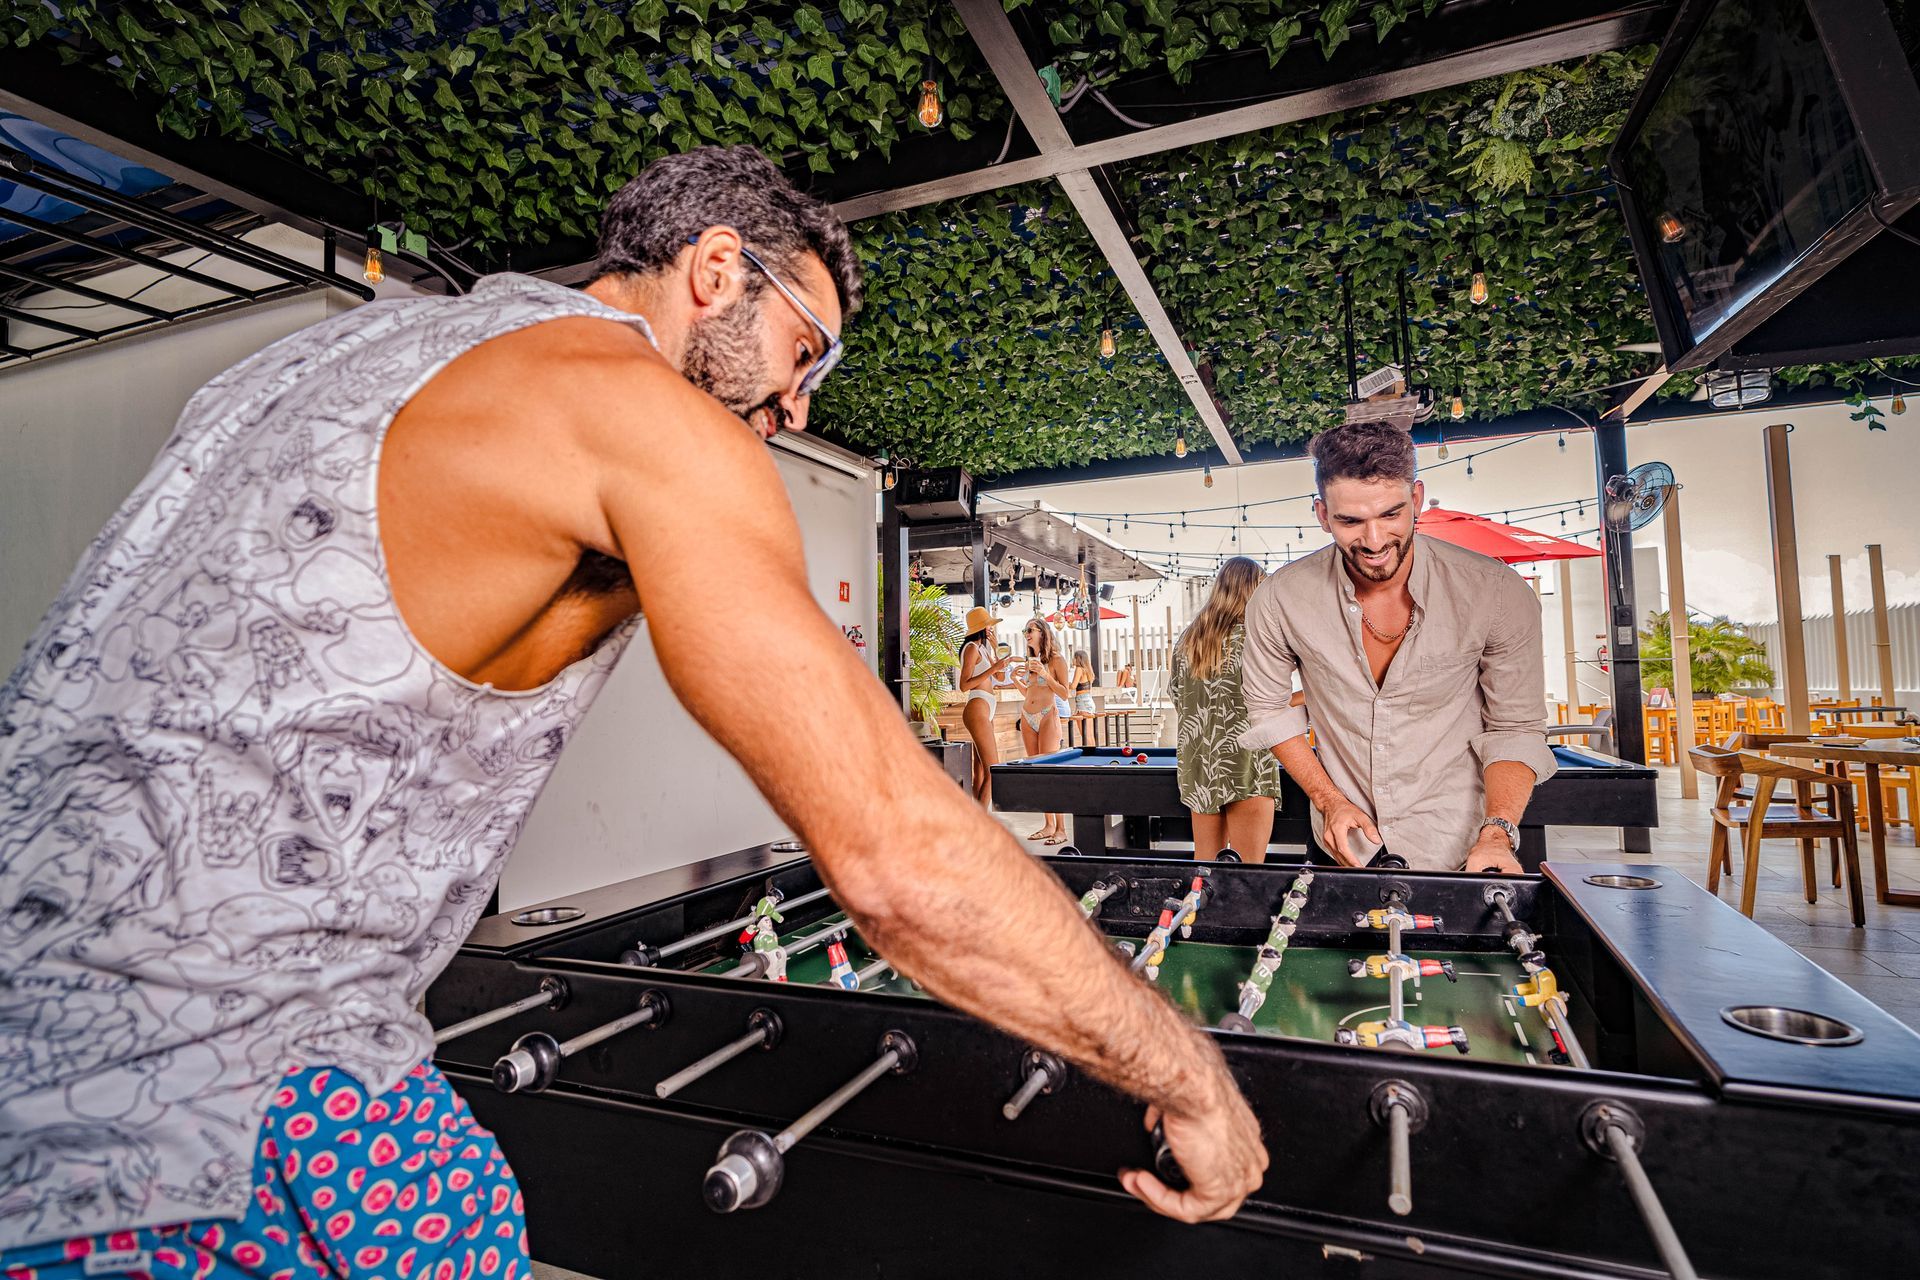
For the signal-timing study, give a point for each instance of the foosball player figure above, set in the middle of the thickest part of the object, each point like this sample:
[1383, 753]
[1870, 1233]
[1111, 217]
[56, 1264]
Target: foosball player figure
[768, 908]
[1381, 966]
[1403, 1033]
[1538, 990]
[766, 942]
[841, 970]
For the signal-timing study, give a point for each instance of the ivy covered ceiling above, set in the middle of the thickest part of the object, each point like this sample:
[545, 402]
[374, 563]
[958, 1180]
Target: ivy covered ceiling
[499, 127]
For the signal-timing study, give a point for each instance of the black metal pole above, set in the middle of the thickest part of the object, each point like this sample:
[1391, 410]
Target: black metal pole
[893, 598]
[1093, 620]
[32, 223]
[1623, 634]
[1353, 370]
[982, 589]
[46, 281]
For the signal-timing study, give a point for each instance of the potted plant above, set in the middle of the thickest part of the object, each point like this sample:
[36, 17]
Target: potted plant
[1720, 655]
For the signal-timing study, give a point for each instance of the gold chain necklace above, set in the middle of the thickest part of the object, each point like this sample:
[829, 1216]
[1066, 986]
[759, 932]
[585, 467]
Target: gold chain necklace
[1380, 635]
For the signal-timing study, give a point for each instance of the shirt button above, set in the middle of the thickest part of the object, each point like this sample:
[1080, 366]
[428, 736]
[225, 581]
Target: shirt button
[1353, 608]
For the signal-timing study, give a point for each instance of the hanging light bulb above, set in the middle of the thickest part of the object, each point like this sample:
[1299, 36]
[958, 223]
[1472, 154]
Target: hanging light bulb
[1671, 229]
[1107, 344]
[1458, 409]
[1563, 442]
[1563, 519]
[1899, 404]
[1444, 452]
[1243, 515]
[1477, 292]
[1206, 477]
[930, 112]
[1469, 466]
[374, 272]
[1180, 444]
[888, 478]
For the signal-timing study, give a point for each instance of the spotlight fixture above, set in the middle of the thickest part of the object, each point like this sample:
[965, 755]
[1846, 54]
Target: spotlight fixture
[931, 113]
[1671, 229]
[1107, 344]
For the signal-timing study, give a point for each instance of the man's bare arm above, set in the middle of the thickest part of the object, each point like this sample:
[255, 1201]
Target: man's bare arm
[1509, 788]
[933, 882]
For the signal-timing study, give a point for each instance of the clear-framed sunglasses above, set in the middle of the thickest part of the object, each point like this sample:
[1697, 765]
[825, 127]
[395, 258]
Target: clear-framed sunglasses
[823, 363]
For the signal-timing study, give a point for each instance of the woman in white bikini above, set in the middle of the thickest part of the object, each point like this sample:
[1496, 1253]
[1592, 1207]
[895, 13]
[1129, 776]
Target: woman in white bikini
[981, 676]
[1044, 712]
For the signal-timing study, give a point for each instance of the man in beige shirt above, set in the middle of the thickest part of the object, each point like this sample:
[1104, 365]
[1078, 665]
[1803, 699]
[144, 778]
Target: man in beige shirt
[1422, 668]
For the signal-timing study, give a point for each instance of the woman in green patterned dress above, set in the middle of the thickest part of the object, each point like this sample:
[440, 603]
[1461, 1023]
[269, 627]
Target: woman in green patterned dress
[1229, 789]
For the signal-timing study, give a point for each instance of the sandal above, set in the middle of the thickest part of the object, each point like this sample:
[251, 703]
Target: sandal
[1059, 839]
[1038, 835]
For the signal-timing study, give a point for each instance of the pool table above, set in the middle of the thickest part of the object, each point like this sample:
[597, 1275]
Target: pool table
[1119, 802]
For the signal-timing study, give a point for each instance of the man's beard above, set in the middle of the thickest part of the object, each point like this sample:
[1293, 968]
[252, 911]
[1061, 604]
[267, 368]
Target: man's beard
[725, 359]
[1363, 570]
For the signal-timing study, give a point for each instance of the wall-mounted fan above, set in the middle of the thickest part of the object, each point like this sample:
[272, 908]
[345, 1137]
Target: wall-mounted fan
[1635, 499]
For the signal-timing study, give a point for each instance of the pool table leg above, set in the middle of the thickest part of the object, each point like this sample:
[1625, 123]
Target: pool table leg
[1090, 834]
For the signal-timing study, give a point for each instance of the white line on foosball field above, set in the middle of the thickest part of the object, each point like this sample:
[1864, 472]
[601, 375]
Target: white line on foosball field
[1359, 1012]
[1522, 1033]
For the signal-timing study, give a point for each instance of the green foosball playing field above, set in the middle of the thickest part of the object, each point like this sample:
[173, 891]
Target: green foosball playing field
[1312, 996]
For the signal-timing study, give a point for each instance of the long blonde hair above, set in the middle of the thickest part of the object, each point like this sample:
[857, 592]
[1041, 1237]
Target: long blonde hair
[1204, 643]
[1049, 648]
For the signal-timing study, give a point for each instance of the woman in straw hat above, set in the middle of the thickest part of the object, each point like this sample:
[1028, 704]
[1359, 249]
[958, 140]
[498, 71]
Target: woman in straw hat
[980, 678]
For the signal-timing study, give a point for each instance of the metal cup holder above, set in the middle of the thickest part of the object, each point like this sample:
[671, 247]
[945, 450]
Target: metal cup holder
[1623, 882]
[548, 915]
[787, 846]
[1794, 1026]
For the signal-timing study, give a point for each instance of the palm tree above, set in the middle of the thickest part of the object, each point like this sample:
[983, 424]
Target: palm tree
[1720, 655]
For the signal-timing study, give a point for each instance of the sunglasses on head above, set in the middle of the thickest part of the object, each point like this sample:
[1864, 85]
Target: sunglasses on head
[823, 363]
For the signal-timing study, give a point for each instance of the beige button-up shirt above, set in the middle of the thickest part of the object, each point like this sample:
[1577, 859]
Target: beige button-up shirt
[1467, 688]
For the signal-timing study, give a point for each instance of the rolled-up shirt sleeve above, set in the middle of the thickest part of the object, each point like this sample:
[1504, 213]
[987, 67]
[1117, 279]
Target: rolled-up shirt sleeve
[1267, 665]
[1513, 686]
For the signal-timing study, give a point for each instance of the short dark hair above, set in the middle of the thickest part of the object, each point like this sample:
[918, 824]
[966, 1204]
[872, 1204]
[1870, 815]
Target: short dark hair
[1362, 451]
[647, 222]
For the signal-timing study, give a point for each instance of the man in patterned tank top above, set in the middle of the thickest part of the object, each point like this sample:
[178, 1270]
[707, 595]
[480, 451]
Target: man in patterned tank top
[263, 759]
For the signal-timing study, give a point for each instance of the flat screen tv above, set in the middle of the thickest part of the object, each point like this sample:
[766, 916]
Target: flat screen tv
[1770, 176]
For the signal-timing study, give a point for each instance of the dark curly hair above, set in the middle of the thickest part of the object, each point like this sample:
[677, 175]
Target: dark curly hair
[1361, 451]
[647, 222]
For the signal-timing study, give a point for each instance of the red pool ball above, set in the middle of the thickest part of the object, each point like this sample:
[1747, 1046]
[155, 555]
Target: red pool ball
[1141, 758]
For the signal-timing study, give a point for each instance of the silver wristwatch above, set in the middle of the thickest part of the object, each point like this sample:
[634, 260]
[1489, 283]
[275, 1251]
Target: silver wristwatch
[1512, 832]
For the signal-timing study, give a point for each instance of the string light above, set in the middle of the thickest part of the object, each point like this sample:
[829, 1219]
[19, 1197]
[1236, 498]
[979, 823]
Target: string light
[1243, 515]
[1458, 409]
[1899, 404]
[1469, 466]
[1180, 444]
[1443, 449]
[374, 272]
[1107, 344]
[930, 112]
[888, 477]
[1563, 442]
[1206, 477]
[1477, 294]
[1672, 230]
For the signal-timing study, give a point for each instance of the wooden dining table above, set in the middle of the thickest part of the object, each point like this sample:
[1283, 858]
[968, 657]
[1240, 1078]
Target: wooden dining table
[1872, 755]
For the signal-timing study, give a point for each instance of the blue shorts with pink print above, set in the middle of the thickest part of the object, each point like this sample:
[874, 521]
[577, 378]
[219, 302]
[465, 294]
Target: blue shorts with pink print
[405, 1186]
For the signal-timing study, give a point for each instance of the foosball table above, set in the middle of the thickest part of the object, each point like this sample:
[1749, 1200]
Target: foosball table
[1596, 1071]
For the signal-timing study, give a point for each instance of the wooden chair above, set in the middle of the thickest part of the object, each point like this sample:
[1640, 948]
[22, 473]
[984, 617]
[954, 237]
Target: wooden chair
[1788, 820]
[1657, 726]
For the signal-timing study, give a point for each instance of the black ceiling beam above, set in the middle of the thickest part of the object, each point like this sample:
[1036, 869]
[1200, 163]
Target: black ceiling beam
[1457, 27]
[94, 108]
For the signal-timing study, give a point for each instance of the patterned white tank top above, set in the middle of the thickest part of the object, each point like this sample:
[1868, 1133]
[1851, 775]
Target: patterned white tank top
[244, 817]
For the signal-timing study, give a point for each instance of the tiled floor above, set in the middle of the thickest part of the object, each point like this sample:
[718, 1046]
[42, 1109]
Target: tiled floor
[1881, 961]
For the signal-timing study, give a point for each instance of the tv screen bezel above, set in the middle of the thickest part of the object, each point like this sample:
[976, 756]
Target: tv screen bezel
[1859, 39]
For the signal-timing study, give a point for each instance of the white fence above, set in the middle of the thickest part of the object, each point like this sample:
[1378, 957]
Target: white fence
[1863, 662]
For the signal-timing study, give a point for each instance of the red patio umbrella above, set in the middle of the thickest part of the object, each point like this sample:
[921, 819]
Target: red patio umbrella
[1501, 541]
[1059, 615]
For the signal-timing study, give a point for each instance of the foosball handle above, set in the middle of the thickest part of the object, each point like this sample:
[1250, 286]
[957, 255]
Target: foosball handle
[1164, 1164]
[1384, 861]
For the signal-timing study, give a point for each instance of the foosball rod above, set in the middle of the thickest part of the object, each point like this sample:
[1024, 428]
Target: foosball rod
[645, 955]
[763, 1032]
[1402, 1110]
[1554, 1010]
[1615, 1131]
[879, 966]
[535, 1058]
[799, 948]
[750, 1166]
[553, 991]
